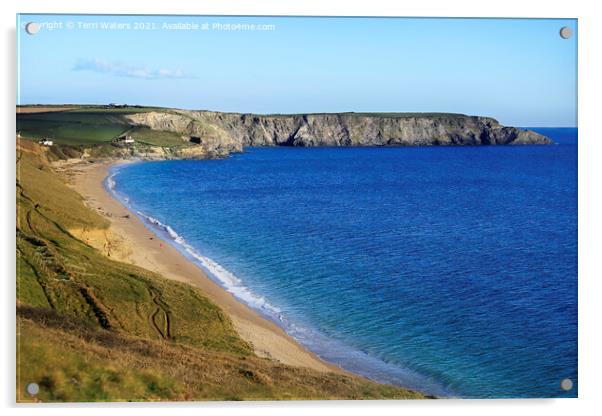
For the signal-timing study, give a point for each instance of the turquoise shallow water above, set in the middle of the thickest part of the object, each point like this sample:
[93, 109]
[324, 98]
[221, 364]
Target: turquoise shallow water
[452, 270]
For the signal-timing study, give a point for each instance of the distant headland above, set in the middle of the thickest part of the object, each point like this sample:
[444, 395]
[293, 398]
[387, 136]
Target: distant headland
[153, 132]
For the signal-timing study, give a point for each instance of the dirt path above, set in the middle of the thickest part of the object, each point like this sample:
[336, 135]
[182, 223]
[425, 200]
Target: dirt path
[163, 328]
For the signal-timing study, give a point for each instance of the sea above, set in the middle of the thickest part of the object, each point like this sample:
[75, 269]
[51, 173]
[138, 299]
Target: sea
[448, 270]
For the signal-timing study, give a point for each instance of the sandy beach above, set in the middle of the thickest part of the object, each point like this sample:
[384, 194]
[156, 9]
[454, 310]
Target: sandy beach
[129, 240]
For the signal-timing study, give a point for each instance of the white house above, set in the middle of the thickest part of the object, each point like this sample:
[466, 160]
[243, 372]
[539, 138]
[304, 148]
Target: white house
[126, 139]
[45, 142]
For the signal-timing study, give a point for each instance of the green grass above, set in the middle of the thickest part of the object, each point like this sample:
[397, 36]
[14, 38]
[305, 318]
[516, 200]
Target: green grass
[72, 127]
[28, 287]
[67, 370]
[156, 137]
[83, 108]
[91, 126]
[407, 115]
[375, 114]
[37, 184]
[79, 282]
[72, 361]
[94, 329]
[116, 110]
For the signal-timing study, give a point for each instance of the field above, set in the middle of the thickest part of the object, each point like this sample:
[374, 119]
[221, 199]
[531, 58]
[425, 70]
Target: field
[75, 126]
[93, 329]
[72, 127]
[156, 138]
[43, 108]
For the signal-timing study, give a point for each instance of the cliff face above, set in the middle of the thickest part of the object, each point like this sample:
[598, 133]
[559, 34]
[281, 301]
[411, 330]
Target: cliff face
[222, 133]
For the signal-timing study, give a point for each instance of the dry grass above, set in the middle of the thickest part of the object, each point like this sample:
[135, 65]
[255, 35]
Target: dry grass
[43, 109]
[83, 363]
[94, 329]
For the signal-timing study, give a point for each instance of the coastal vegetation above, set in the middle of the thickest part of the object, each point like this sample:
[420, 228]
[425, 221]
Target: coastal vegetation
[90, 328]
[72, 126]
[78, 125]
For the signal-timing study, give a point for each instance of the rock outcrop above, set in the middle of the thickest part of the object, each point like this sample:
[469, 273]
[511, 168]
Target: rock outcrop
[222, 133]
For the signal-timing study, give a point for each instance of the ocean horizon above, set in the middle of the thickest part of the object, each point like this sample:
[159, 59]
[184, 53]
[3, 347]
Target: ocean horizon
[448, 270]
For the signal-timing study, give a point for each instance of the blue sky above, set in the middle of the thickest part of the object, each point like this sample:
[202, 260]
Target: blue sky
[518, 71]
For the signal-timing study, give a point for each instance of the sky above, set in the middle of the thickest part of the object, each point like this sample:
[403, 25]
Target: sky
[519, 71]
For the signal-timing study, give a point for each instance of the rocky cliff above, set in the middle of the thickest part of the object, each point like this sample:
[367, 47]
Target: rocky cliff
[222, 133]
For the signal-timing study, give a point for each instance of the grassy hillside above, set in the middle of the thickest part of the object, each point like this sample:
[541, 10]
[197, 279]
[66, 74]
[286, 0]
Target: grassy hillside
[76, 126]
[156, 137]
[91, 130]
[72, 127]
[90, 328]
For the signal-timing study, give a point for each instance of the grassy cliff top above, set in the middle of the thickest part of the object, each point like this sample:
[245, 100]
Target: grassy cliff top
[374, 114]
[88, 125]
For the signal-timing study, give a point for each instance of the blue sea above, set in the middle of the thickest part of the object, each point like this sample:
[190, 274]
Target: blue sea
[451, 270]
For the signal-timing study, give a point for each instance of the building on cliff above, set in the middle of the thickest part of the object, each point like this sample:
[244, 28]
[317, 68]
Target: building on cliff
[124, 140]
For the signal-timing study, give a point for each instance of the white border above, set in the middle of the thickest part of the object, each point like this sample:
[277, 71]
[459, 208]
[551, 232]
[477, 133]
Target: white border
[590, 203]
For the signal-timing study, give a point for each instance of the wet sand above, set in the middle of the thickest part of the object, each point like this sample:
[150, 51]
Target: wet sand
[129, 240]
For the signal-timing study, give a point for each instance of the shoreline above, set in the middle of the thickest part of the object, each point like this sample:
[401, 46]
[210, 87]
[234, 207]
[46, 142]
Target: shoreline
[127, 231]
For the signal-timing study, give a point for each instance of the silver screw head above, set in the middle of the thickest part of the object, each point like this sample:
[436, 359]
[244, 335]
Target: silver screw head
[566, 32]
[33, 389]
[32, 28]
[566, 384]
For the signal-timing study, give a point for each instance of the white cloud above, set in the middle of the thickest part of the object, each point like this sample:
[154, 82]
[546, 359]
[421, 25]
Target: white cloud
[123, 70]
